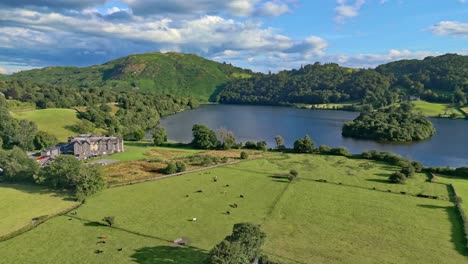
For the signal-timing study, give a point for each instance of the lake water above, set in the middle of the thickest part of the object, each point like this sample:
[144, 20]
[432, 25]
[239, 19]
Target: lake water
[449, 147]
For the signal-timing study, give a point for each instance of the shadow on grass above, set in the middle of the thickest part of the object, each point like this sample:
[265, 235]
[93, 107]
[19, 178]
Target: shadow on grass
[166, 254]
[457, 230]
[94, 224]
[37, 189]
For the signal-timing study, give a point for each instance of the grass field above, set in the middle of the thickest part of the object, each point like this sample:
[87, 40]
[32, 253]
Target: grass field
[305, 221]
[57, 122]
[435, 109]
[19, 204]
[460, 185]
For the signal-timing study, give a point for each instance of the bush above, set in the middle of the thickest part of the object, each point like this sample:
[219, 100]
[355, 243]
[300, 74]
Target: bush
[109, 220]
[224, 159]
[294, 172]
[244, 155]
[180, 166]
[324, 149]
[171, 168]
[304, 145]
[408, 171]
[262, 145]
[397, 177]
[340, 152]
[250, 145]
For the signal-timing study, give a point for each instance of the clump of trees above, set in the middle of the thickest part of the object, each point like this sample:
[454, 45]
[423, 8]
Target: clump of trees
[174, 167]
[397, 177]
[244, 155]
[242, 246]
[159, 135]
[304, 145]
[392, 124]
[66, 172]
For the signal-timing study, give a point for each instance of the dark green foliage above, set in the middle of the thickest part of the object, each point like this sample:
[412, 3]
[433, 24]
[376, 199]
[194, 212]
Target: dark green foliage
[458, 172]
[159, 135]
[242, 246]
[262, 145]
[183, 75]
[171, 168]
[418, 167]
[180, 166]
[16, 166]
[408, 171]
[244, 155]
[250, 145]
[109, 220]
[392, 124]
[66, 172]
[304, 145]
[203, 137]
[397, 177]
[44, 140]
[84, 127]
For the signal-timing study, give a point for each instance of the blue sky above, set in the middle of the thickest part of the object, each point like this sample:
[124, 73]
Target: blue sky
[261, 35]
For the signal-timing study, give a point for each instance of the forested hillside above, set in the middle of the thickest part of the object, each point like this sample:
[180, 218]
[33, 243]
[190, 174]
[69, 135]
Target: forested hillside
[436, 79]
[162, 73]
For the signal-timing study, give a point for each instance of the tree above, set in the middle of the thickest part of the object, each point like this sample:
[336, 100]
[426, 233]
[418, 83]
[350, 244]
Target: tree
[203, 137]
[261, 145]
[159, 135]
[304, 145]
[84, 127]
[406, 106]
[408, 170]
[242, 246]
[397, 177]
[279, 142]
[61, 173]
[89, 182]
[226, 138]
[16, 166]
[244, 155]
[44, 140]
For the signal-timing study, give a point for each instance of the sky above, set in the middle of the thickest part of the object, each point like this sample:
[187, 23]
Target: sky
[262, 35]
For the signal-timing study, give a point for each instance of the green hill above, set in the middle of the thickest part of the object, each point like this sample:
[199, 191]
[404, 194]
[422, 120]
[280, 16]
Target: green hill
[178, 74]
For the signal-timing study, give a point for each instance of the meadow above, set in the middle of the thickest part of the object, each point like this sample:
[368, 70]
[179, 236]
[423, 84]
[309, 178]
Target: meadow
[58, 122]
[21, 203]
[343, 220]
[435, 109]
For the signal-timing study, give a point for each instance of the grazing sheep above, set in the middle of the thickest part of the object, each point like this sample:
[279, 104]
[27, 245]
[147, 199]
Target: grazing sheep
[241, 196]
[199, 191]
[69, 219]
[235, 205]
[194, 219]
[120, 249]
[187, 195]
[227, 212]
[98, 251]
[227, 185]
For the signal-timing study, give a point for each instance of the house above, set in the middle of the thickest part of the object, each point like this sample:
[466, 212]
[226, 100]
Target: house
[86, 146]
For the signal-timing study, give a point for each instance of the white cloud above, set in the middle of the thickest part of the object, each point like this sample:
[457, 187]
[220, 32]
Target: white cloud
[450, 28]
[274, 8]
[346, 10]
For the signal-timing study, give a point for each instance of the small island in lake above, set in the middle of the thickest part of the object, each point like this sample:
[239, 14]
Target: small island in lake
[391, 124]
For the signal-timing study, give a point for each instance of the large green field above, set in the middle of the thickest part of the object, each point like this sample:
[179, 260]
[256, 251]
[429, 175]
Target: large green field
[19, 204]
[306, 221]
[435, 109]
[57, 122]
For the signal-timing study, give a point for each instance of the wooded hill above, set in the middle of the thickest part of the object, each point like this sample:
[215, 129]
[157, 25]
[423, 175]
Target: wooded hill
[436, 79]
[177, 74]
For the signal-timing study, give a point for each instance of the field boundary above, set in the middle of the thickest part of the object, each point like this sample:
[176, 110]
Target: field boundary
[40, 220]
[461, 211]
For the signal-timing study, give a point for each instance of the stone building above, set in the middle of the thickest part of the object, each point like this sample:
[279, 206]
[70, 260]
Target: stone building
[87, 146]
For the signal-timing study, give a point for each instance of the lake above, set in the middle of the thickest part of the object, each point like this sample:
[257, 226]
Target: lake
[449, 147]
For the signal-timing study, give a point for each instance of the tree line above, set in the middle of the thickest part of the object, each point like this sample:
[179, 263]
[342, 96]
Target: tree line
[435, 79]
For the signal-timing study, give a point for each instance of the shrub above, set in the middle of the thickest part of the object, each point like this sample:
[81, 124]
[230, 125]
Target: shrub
[340, 151]
[109, 220]
[224, 159]
[294, 172]
[324, 149]
[408, 171]
[171, 168]
[244, 155]
[180, 166]
[397, 177]
[250, 145]
[261, 145]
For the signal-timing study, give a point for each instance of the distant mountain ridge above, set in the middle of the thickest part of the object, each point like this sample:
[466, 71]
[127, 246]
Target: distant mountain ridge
[172, 73]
